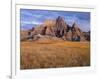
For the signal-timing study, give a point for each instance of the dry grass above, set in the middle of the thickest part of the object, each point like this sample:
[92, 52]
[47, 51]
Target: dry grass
[53, 54]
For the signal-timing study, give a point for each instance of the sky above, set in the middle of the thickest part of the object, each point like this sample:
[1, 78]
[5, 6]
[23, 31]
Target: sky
[31, 18]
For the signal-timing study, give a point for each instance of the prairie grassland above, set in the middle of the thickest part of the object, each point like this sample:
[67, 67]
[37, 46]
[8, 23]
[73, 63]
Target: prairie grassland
[53, 54]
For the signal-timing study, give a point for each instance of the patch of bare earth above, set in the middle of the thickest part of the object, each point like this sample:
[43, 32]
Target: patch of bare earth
[54, 54]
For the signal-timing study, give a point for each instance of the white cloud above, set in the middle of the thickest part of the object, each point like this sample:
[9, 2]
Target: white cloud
[26, 13]
[30, 22]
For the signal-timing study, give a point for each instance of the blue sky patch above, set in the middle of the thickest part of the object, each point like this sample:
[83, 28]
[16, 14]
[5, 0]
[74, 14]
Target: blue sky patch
[31, 18]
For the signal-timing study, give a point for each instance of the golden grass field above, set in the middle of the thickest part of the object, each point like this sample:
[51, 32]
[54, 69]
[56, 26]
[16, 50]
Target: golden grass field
[54, 54]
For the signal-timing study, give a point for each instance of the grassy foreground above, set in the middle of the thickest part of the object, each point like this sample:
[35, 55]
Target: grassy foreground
[53, 54]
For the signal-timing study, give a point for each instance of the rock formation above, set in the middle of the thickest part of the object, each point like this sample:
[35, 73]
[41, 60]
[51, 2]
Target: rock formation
[76, 32]
[60, 29]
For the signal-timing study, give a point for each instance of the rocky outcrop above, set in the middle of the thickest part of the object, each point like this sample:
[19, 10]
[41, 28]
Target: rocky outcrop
[55, 28]
[60, 29]
[50, 24]
[86, 35]
[76, 32]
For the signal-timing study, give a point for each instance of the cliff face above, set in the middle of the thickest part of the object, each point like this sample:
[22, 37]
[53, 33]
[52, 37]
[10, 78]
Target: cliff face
[60, 29]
